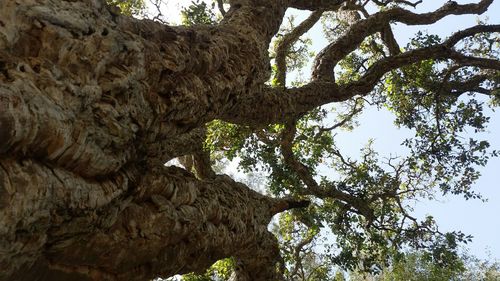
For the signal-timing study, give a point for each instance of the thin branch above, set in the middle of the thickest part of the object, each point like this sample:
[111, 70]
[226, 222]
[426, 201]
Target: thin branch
[296, 254]
[304, 173]
[355, 110]
[288, 40]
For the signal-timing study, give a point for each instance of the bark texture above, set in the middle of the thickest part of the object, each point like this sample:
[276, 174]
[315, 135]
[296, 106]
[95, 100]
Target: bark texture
[92, 103]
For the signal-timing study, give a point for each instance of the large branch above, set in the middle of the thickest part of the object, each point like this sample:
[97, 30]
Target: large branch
[328, 58]
[440, 52]
[278, 105]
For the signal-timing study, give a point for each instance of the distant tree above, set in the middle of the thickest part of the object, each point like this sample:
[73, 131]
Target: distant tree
[93, 102]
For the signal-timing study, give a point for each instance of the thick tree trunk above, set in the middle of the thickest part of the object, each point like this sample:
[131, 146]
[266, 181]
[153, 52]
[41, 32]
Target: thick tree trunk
[91, 105]
[135, 225]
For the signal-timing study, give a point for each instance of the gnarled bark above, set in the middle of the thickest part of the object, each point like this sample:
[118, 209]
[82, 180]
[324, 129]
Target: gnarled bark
[92, 103]
[134, 225]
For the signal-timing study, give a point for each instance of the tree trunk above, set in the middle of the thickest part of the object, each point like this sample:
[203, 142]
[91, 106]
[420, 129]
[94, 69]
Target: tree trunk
[92, 104]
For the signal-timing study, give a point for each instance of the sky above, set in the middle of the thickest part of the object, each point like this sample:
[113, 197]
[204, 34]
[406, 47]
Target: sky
[474, 217]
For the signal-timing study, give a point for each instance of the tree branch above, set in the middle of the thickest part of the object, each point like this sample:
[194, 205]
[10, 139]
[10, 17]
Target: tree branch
[403, 2]
[389, 40]
[220, 5]
[440, 51]
[312, 187]
[328, 58]
[288, 40]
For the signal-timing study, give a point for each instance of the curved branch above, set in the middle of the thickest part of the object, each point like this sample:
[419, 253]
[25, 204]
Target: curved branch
[403, 2]
[312, 187]
[288, 40]
[296, 254]
[440, 51]
[328, 58]
[473, 84]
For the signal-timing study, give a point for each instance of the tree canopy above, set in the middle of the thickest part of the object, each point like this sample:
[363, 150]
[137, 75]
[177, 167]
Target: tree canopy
[226, 86]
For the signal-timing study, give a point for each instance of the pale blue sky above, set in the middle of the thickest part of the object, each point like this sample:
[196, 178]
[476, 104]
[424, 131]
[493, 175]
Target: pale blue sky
[452, 213]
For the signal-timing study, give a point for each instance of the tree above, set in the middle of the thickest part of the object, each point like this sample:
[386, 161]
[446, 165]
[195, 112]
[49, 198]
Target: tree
[93, 103]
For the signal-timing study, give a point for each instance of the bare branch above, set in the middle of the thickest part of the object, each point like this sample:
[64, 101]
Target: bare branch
[402, 2]
[355, 110]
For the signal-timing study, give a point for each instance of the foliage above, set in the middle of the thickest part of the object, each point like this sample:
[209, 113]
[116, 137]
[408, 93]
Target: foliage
[442, 156]
[198, 13]
[129, 7]
[441, 120]
[220, 270]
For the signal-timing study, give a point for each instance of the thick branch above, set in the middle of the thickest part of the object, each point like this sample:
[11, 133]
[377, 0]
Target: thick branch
[440, 51]
[277, 105]
[334, 52]
[105, 88]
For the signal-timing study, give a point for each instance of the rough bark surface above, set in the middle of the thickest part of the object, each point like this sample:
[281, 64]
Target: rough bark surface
[92, 103]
